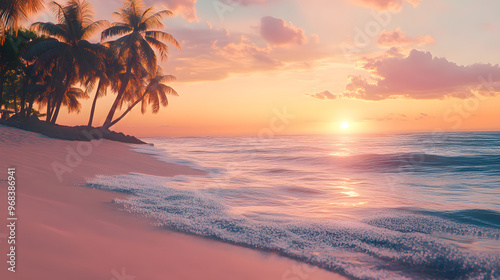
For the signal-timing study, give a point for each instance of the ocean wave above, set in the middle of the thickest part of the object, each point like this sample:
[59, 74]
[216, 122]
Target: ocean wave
[397, 162]
[388, 244]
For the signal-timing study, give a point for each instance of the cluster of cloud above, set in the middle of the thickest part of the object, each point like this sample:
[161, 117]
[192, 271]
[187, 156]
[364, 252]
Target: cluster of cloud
[246, 2]
[394, 5]
[183, 8]
[419, 75]
[398, 38]
[277, 32]
[211, 53]
[324, 95]
[423, 116]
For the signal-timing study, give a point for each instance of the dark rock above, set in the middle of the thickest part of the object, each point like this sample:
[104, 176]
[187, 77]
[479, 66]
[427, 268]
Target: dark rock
[74, 133]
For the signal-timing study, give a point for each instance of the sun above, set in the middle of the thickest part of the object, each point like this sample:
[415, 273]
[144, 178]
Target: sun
[344, 125]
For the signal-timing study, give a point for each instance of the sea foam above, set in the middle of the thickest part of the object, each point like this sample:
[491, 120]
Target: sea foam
[388, 244]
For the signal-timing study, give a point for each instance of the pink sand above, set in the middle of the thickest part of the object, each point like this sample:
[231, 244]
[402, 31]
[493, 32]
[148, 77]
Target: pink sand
[71, 233]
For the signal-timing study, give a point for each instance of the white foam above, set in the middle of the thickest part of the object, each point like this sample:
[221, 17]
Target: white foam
[389, 245]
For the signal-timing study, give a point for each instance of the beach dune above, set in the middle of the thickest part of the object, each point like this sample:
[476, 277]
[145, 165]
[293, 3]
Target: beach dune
[65, 231]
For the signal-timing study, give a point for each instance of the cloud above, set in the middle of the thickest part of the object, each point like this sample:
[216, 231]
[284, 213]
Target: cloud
[185, 8]
[214, 53]
[422, 76]
[246, 2]
[399, 117]
[324, 95]
[210, 53]
[398, 38]
[423, 116]
[278, 32]
[387, 4]
[390, 117]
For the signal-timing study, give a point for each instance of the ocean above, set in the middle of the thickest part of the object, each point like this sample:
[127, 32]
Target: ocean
[404, 206]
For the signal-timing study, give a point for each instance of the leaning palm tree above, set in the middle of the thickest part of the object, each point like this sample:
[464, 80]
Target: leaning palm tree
[12, 12]
[103, 77]
[135, 47]
[154, 94]
[67, 48]
[70, 100]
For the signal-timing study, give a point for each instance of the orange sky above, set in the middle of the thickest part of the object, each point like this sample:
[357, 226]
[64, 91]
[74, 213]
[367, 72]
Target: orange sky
[421, 66]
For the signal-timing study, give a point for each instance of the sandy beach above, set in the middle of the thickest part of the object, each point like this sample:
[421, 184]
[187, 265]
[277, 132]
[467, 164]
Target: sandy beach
[65, 231]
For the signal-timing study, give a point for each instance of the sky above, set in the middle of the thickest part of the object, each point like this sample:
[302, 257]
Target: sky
[267, 67]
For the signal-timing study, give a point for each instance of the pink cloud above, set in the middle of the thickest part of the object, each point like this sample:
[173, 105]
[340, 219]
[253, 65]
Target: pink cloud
[422, 76]
[398, 38]
[387, 4]
[246, 2]
[423, 116]
[278, 32]
[184, 8]
[324, 95]
[215, 53]
[390, 117]
[210, 53]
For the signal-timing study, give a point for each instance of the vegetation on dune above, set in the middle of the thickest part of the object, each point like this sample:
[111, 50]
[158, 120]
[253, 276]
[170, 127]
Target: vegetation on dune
[55, 65]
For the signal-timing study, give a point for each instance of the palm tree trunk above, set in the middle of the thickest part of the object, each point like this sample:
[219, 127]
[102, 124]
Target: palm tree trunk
[15, 102]
[92, 110]
[30, 106]
[118, 98]
[2, 81]
[1, 89]
[60, 98]
[126, 111]
[57, 108]
[47, 117]
[23, 100]
[52, 106]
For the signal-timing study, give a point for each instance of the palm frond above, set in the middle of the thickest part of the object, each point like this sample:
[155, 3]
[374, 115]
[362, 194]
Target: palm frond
[41, 46]
[147, 12]
[160, 35]
[154, 21]
[13, 12]
[59, 12]
[148, 55]
[94, 27]
[51, 29]
[167, 78]
[115, 30]
[168, 90]
[161, 47]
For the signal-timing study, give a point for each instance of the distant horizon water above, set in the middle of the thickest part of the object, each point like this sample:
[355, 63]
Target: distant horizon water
[255, 135]
[405, 206]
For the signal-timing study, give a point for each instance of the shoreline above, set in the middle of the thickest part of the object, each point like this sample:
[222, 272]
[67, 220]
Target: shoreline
[68, 232]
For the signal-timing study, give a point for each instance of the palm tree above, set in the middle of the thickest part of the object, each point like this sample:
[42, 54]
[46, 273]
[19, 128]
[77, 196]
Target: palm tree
[11, 59]
[134, 48]
[104, 77]
[70, 99]
[154, 94]
[73, 57]
[12, 12]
